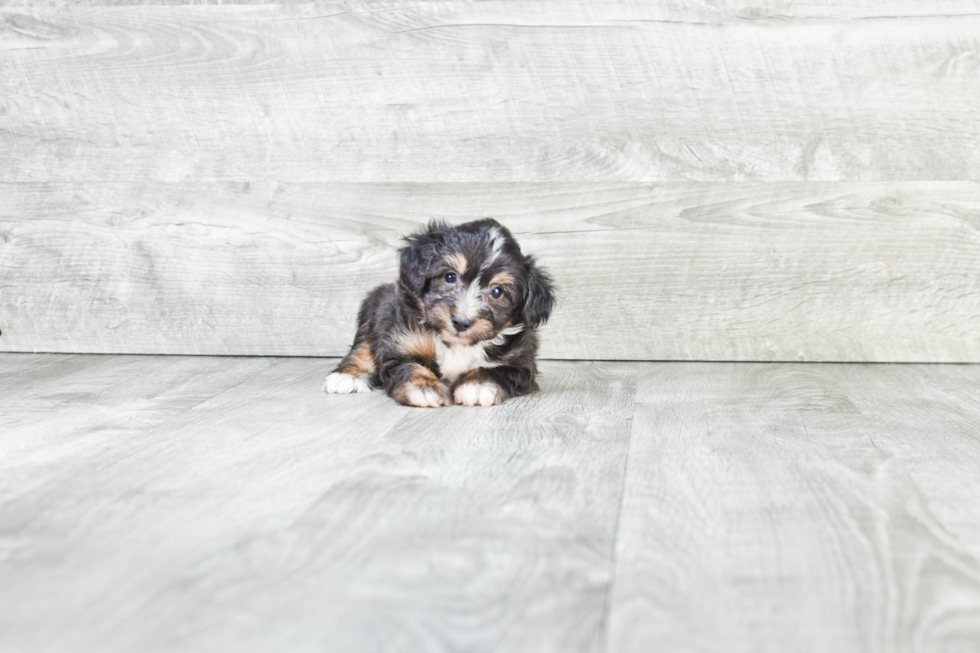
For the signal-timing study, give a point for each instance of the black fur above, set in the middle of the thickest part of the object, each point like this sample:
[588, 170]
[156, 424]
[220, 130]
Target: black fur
[419, 257]
[540, 297]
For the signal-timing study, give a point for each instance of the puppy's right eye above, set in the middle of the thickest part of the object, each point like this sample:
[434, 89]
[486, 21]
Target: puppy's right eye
[450, 277]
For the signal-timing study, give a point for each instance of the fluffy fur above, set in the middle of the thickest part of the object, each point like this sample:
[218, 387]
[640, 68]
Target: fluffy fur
[458, 326]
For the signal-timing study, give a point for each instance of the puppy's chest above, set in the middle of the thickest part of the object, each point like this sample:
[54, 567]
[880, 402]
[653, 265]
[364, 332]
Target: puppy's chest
[456, 360]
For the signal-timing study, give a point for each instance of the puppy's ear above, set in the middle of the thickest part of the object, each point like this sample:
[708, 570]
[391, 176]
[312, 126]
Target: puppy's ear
[419, 257]
[540, 294]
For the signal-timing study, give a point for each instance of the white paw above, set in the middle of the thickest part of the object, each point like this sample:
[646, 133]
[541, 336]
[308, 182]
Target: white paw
[482, 394]
[341, 383]
[424, 398]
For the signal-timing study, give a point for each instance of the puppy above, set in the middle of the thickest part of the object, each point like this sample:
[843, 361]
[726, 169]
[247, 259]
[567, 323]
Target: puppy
[458, 324]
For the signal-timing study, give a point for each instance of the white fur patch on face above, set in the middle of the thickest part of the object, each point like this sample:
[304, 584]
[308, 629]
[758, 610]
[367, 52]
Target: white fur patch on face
[501, 337]
[496, 244]
[456, 360]
[477, 394]
[340, 383]
[471, 303]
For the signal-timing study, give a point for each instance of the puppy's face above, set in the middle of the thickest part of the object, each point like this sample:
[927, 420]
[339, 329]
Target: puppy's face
[466, 307]
[472, 281]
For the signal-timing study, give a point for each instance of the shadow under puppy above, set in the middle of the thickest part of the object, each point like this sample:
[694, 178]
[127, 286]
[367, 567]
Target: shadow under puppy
[458, 325]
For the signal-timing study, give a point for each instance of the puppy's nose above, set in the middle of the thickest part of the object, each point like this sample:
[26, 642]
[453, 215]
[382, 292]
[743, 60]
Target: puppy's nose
[461, 323]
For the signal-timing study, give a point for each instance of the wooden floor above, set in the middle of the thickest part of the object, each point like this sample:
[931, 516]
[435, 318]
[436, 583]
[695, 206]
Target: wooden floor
[226, 504]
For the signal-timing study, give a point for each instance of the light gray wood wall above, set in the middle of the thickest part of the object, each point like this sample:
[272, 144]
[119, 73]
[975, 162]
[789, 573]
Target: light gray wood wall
[726, 180]
[493, 91]
[790, 271]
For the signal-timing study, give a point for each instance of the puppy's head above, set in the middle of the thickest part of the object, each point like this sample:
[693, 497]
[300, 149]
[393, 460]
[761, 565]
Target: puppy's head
[472, 281]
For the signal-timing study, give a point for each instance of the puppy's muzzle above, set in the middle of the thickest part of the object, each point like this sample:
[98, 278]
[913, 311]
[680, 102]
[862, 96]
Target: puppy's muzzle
[461, 323]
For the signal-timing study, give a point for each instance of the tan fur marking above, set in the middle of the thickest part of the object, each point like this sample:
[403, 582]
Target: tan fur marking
[473, 376]
[481, 330]
[359, 361]
[425, 378]
[501, 279]
[440, 315]
[413, 343]
[422, 385]
[457, 262]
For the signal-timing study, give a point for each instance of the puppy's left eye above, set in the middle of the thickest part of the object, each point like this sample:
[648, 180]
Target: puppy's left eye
[496, 292]
[450, 277]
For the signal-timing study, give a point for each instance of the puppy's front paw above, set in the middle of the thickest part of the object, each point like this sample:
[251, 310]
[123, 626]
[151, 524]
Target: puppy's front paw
[426, 395]
[341, 383]
[473, 393]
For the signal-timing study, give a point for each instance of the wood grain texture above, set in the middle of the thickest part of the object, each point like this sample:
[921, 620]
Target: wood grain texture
[273, 517]
[492, 91]
[858, 9]
[63, 415]
[686, 271]
[934, 433]
[226, 504]
[792, 507]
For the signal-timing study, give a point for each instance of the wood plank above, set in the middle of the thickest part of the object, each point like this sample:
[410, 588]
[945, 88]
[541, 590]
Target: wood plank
[766, 271]
[767, 508]
[493, 91]
[758, 9]
[16, 368]
[221, 503]
[934, 431]
[274, 517]
[63, 414]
